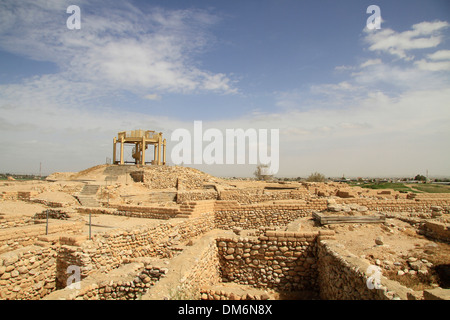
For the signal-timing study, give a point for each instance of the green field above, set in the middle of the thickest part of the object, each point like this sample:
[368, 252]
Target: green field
[387, 185]
[20, 177]
[417, 188]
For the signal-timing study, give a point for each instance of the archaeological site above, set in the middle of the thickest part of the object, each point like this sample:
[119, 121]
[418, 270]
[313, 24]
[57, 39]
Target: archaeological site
[159, 232]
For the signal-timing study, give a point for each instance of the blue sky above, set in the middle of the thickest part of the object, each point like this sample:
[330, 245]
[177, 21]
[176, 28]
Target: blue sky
[347, 100]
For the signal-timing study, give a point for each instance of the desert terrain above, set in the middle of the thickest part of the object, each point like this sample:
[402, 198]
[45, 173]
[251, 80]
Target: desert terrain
[163, 232]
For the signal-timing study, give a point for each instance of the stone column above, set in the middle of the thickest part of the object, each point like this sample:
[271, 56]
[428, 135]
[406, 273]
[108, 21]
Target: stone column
[114, 150]
[143, 151]
[121, 150]
[159, 151]
[164, 152]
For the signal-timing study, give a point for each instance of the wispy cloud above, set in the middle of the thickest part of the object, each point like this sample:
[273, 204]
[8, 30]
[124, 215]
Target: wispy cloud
[423, 35]
[369, 63]
[384, 108]
[440, 61]
[121, 47]
[376, 112]
[440, 55]
[152, 96]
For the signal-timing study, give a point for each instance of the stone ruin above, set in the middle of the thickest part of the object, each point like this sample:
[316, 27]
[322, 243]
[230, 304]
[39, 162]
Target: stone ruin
[161, 232]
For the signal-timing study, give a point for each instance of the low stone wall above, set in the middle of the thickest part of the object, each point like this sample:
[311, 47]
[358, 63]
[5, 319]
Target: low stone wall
[27, 273]
[197, 267]
[129, 282]
[343, 276]
[15, 221]
[52, 214]
[51, 204]
[234, 292]
[18, 195]
[153, 212]
[203, 272]
[197, 195]
[186, 209]
[285, 261]
[397, 205]
[436, 230]
[248, 196]
[17, 237]
[195, 208]
[9, 195]
[107, 251]
[230, 214]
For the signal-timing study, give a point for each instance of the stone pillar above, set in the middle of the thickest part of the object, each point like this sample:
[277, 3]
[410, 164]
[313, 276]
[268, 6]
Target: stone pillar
[164, 152]
[159, 151]
[143, 151]
[114, 150]
[121, 150]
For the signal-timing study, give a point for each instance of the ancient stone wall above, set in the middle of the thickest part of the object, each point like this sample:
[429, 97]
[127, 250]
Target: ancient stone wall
[25, 235]
[194, 208]
[197, 195]
[397, 205]
[285, 261]
[204, 271]
[148, 212]
[18, 195]
[230, 214]
[27, 273]
[189, 272]
[344, 276]
[248, 196]
[14, 221]
[129, 282]
[436, 230]
[218, 293]
[109, 250]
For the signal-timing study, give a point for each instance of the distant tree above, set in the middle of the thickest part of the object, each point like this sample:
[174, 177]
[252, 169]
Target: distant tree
[420, 177]
[316, 177]
[262, 172]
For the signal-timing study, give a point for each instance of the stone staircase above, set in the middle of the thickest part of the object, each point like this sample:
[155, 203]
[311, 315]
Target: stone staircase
[87, 196]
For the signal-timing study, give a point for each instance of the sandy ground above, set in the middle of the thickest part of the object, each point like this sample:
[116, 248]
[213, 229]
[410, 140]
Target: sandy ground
[20, 208]
[104, 223]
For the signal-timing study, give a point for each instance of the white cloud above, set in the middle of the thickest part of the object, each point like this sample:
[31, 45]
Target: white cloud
[379, 116]
[423, 35]
[440, 61]
[440, 55]
[120, 47]
[370, 62]
[433, 66]
[152, 96]
[333, 88]
[352, 124]
[343, 68]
